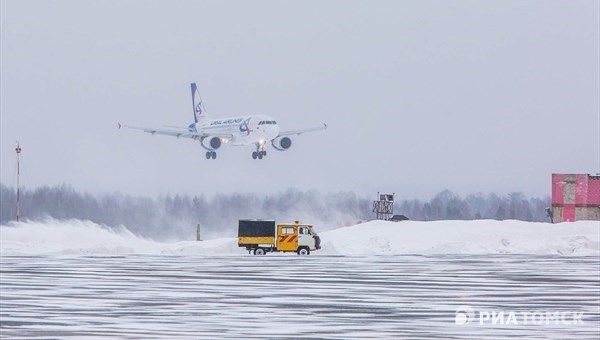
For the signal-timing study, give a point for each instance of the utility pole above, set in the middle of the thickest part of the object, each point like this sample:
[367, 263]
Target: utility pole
[18, 150]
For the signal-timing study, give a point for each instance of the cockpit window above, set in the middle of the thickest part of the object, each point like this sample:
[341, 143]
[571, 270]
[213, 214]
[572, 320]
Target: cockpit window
[274, 122]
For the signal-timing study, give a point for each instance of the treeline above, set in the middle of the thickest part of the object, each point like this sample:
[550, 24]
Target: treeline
[448, 206]
[175, 217]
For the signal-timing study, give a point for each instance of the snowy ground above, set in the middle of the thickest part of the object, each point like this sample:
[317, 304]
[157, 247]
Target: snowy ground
[372, 238]
[75, 279]
[274, 296]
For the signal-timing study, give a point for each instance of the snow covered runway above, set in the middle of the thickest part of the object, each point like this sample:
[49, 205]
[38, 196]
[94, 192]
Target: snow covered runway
[327, 296]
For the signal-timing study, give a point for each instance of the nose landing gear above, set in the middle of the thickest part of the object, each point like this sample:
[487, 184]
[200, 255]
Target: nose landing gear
[211, 154]
[260, 149]
[259, 154]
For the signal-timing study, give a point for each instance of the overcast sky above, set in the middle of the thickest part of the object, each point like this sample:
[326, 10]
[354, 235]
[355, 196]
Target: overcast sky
[419, 96]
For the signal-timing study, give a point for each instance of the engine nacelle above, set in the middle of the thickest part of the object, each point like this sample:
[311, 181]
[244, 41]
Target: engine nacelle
[282, 143]
[211, 143]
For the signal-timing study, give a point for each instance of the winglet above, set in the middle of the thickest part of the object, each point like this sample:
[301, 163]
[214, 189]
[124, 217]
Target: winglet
[120, 126]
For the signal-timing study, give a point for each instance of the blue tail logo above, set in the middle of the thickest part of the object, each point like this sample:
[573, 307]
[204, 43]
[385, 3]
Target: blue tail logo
[197, 103]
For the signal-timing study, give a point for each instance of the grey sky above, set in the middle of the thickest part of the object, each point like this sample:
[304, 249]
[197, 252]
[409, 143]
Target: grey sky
[420, 96]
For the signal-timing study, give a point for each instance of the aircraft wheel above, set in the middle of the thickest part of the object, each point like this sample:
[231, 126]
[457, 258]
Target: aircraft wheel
[208, 155]
[254, 155]
[260, 155]
[264, 152]
[214, 155]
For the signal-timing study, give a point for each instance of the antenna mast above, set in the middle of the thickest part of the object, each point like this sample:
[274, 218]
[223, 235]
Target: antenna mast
[18, 150]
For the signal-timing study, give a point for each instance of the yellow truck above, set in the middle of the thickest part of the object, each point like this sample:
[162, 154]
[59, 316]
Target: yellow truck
[262, 236]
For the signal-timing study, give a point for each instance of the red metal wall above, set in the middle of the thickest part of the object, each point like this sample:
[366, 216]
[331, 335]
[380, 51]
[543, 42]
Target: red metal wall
[581, 189]
[594, 190]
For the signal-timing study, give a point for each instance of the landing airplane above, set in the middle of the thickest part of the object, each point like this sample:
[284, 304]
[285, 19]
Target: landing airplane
[243, 130]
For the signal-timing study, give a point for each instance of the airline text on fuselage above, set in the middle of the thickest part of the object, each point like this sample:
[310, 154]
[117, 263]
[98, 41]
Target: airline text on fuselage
[226, 122]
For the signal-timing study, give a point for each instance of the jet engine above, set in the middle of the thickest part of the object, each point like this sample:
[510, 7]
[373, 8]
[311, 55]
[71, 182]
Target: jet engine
[211, 143]
[282, 143]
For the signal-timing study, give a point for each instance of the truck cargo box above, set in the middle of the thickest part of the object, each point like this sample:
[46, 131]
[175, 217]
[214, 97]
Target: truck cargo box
[256, 228]
[254, 234]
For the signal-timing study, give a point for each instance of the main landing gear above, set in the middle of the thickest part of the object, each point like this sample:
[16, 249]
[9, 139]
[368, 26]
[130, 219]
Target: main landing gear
[259, 154]
[211, 154]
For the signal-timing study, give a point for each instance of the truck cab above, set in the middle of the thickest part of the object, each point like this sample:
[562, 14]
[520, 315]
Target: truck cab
[262, 236]
[297, 237]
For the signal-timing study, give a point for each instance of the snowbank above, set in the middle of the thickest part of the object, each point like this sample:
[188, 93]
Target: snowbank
[465, 237]
[74, 237]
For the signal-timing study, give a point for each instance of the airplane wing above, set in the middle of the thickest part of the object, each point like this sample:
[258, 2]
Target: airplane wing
[299, 132]
[176, 133]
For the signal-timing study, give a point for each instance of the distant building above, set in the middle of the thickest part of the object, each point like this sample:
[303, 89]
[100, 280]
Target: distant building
[398, 218]
[575, 197]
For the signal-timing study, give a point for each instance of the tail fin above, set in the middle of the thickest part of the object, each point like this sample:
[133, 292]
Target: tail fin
[199, 110]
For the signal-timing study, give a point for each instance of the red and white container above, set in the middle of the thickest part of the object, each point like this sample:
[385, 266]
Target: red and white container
[575, 197]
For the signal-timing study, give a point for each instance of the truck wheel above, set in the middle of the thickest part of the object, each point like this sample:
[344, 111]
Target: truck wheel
[303, 251]
[259, 251]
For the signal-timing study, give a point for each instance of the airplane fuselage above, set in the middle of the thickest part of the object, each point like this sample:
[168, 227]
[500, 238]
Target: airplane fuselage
[243, 130]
